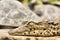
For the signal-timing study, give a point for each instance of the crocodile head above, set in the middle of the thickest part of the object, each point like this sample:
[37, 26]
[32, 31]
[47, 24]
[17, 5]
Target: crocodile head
[45, 28]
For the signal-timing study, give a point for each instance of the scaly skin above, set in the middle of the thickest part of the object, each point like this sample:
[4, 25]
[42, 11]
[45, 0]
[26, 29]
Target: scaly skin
[45, 28]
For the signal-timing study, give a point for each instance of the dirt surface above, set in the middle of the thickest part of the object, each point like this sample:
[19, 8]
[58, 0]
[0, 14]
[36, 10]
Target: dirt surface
[4, 32]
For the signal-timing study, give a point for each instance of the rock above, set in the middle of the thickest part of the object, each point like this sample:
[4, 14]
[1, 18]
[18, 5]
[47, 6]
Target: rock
[47, 12]
[13, 13]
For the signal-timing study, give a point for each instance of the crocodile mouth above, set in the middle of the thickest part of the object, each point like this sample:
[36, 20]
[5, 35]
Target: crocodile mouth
[45, 28]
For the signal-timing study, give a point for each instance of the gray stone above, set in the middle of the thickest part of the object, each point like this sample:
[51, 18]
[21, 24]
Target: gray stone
[13, 13]
[47, 12]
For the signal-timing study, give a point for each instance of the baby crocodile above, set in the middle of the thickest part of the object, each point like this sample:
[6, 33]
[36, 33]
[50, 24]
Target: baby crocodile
[45, 28]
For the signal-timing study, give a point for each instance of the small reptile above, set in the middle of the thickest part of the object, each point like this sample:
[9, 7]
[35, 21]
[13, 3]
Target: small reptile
[44, 29]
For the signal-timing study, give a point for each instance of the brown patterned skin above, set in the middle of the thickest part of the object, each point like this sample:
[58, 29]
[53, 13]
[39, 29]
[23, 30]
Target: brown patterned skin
[45, 28]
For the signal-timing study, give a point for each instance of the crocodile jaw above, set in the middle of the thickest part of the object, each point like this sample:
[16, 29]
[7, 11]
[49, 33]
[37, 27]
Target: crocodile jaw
[37, 29]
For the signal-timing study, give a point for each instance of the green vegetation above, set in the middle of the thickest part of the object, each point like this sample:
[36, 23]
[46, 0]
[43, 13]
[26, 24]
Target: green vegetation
[38, 2]
[53, 1]
[26, 2]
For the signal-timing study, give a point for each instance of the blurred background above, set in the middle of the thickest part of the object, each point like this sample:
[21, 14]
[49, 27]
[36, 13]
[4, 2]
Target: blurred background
[39, 2]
